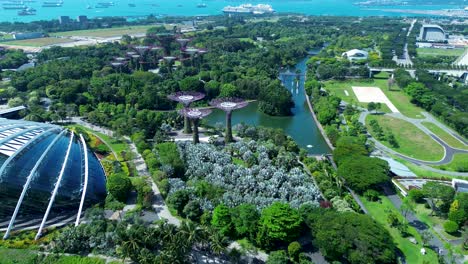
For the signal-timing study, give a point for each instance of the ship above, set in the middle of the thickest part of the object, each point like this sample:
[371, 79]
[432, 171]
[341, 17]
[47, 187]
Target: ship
[26, 12]
[201, 5]
[15, 7]
[52, 3]
[259, 9]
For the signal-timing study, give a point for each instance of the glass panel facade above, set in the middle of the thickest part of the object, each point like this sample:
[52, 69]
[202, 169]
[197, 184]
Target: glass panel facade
[40, 189]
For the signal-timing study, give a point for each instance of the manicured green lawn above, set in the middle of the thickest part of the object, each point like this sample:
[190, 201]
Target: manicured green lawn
[105, 32]
[431, 52]
[380, 211]
[423, 214]
[10, 256]
[459, 163]
[449, 139]
[24, 256]
[396, 96]
[39, 42]
[412, 142]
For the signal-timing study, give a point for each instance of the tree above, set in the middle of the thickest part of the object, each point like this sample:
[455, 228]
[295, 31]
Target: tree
[371, 106]
[245, 219]
[426, 237]
[347, 147]
[362, 173]
[294, 249]
[229, 90]
[440, 196]
[222, 220]
[192, 210]
[278, 224]
[119, 185]
[353, 237]
[392, 219]
[278, 257]
[178, 200]
[416, 195]
[407, 206]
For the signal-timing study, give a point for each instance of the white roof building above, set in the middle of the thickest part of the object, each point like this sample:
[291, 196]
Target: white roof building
[356, 54]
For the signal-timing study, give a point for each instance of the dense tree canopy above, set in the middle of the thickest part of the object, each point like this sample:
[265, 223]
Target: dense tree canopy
[362, 173]
[353, 237]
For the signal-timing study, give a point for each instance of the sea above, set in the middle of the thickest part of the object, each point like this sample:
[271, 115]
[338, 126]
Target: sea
[139, 8]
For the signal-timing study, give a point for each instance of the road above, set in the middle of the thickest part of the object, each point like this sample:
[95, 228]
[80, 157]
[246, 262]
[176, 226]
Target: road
[435, 243]
[449, 151]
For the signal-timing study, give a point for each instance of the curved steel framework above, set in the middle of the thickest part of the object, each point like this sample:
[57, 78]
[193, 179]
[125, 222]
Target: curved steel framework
[85, 186]
[28, 181]
[56, 187]
[20, 150]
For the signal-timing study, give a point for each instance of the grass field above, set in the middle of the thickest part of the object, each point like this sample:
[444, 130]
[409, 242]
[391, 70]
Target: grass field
[420, 171]
[449, 139]
[431, 52]
[424, 215]
[380, 211]
[24, 256]
[459, 163]
[105, 32]
[396, 96]
[39, 42]
[117, 146]
[412, 142]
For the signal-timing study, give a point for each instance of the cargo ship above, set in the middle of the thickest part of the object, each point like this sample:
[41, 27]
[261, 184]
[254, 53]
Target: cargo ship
[259, 9]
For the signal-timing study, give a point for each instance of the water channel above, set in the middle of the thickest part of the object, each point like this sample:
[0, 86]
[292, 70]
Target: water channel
[300, 126]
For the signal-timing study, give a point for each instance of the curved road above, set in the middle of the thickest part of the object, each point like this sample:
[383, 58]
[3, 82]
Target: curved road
[449, 151]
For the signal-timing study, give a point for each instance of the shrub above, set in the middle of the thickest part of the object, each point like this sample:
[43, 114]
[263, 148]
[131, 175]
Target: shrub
[450, 226]
[119, 185]
[278, 257]
[416, 195]
[372, 195]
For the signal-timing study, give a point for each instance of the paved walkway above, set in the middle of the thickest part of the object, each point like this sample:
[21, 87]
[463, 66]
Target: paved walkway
[435, 243]
[159, 206]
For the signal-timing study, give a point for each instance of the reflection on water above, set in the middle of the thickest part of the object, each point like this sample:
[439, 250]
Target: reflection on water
[300, 125]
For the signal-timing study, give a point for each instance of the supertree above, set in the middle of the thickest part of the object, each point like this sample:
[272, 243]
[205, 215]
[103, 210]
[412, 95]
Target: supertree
[183, 42]
[195, 115]
[228, 105]
[186, 98]
[165, 40]
[119, 63]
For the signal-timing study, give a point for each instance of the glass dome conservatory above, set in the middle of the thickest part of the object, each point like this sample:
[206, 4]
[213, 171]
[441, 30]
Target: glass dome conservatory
[48, 176]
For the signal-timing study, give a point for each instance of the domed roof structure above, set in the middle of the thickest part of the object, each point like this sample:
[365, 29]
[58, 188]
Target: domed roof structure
[47, 175]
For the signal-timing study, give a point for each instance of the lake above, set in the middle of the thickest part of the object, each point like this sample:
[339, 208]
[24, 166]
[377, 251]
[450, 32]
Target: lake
[300, 126]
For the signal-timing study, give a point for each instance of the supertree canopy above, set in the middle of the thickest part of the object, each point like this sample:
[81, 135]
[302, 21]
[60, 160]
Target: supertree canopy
[228, 105]
[195, 115]
[186, 98]
[165, 40]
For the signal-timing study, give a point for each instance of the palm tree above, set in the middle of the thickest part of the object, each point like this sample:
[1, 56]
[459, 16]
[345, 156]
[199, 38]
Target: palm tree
[130, 248]
[191, 232]
[218, 243]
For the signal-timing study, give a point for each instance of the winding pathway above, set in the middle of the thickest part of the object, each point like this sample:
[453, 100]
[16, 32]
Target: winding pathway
[159, 206]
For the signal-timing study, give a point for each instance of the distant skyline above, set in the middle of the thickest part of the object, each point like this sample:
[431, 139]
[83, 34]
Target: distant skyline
[74, 8]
